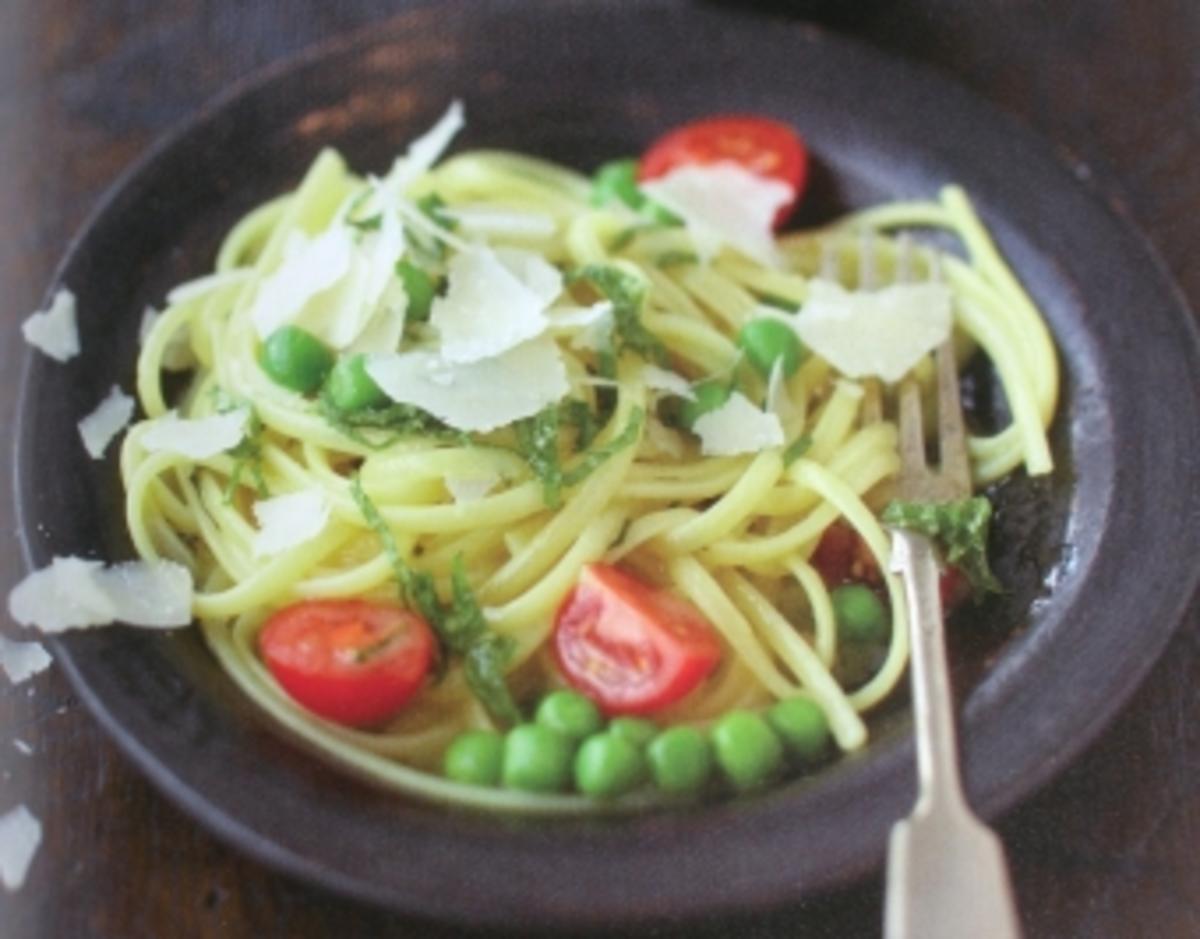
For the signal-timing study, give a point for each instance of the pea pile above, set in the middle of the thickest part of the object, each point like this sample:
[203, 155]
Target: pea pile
[569, 746]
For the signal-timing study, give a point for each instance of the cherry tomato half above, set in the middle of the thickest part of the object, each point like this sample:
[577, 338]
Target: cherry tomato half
[761, 145]
[350, 661]
[633, 648]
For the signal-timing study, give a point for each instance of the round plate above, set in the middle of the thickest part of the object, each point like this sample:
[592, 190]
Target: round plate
[581, 83]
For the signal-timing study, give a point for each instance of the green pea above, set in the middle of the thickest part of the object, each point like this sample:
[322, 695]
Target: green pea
[747, 749]
[296, 359]
[766, 341]
[608, 765]
[475, 757]
[570, 713]
[860, 614]
[802, 726]
[680, 760]
[536, 759]
[349, 386]
[710, 395]
[418, 287]
[637, 730]
[617, 181]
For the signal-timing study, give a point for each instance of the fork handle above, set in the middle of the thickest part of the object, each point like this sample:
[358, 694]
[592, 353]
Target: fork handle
[933, 705]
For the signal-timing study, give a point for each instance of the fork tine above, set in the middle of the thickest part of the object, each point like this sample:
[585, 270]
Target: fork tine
[952, 436]
[868, 279]
[912, 433]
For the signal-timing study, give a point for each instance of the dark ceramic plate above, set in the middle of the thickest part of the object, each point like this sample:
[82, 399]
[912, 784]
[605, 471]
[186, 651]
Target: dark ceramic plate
[581, 83]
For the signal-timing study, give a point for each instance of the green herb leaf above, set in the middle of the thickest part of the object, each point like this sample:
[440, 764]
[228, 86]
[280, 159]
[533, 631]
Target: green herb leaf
[627, 292]
[537, 440]
[959, 528]
[675, 258]
[247, 452]
[399, 420]
[461, 627]
[593, 459]
[796, 449]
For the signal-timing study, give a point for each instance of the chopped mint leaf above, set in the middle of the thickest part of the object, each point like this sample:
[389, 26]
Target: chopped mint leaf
[398, 420]
[537, 441]
[675, 258]
[959, 528]
[596, 456]
[796, 449]
[627, 292]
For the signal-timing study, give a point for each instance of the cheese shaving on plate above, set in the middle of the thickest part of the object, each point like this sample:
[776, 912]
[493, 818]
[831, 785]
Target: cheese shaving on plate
[736, 427]
[109, 418]
[475, 396]
[309, 266]
[466, 489]
[881, 333]
[289, 520]
[491, 220]
[20, 836]
[668, 382]
[494, 301]
[724, 204]
[72, 593]
[198, 438]
[54, 330]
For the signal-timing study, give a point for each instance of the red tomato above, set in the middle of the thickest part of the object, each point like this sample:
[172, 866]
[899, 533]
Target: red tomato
[632, 648]
[761, 145]
[954, 587]
[349, 661]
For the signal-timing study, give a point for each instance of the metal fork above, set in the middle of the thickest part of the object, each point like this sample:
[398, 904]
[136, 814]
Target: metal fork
[946, 876]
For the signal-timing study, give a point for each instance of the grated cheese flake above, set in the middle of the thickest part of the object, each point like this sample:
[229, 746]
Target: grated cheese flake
[881, 333]
[289, 520]
[666, 381]
[737, 426]
[109, 418]
[22, 660]
[309, 266]
[422, 154]
[54, 331]
[466, 489]
[198, 438]
[494, 301]
[724, 204]
[20, 836]
[475, 396]
[73, 593]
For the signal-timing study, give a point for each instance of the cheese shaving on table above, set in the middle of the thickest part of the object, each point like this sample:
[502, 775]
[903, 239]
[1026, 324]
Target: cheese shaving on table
[54, 331]
[20, 836]
[724, 205]
[881, 333]
[494, 301]
[109, 418]
[73, 593]
[198, 438]
[289, 520]
[22, 660]
[736, 427]
[475, 396]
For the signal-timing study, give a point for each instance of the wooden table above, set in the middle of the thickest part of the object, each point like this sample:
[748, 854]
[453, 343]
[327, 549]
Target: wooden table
[1108, 850]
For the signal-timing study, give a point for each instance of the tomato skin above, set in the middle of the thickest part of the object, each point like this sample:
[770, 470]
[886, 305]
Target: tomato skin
[632, 648]
[354, 662]
[762, 145]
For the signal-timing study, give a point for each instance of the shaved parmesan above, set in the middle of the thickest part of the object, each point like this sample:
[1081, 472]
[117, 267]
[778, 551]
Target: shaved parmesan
[567, 317]
[475, 396]
[309, 266]
[493, 302]
[72, 593]
[385, 329]
[111, 416]
[197, 438]
[880, 333]
[660, 379]
[471, 488]
[724, 204]
[737, 426]
[422, 154]
[54, 331]
[20, 836]
[289, 520]
[22, 747]
[490, 220]
[22, 660]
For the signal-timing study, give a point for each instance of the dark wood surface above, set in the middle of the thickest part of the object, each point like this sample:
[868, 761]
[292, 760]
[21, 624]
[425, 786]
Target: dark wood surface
[1110, 849]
